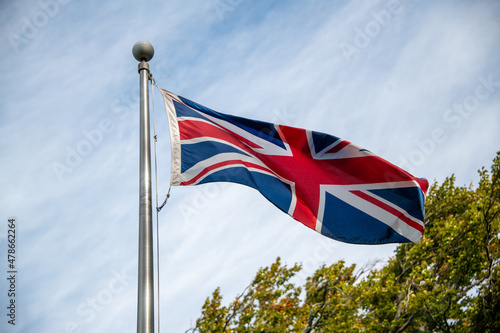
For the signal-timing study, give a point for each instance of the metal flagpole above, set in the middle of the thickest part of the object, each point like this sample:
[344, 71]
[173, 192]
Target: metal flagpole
[143, 51]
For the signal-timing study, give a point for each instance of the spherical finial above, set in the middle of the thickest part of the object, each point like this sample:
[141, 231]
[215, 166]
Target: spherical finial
[143, 50]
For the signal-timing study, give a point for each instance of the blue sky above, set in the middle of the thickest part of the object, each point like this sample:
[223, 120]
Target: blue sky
[417, 83]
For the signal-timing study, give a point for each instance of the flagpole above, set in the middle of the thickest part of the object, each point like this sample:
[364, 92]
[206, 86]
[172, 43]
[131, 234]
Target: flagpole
[143, 51]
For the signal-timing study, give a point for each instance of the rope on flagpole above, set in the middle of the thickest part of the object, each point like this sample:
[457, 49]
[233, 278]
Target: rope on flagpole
[157, 210]
[165, 201]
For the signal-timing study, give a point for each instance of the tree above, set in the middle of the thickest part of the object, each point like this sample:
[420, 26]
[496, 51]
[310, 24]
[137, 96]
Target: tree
[449, 282]
[269, 304]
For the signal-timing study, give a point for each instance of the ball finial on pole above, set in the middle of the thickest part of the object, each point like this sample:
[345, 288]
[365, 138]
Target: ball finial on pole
[143, 50]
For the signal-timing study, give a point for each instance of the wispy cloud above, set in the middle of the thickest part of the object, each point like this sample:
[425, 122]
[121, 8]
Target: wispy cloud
[275, 62]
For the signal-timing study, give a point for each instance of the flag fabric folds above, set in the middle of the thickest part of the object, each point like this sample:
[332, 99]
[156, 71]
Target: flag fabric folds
[328, 184]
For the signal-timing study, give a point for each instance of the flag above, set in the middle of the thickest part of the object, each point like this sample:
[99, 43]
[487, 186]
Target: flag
[328, 184]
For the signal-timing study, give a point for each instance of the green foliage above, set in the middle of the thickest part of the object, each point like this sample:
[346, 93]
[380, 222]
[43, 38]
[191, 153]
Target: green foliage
[449, 282]
[269, 304]
[332, 300]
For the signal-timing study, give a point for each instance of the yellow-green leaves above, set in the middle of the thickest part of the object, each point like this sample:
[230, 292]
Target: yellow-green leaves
[449, 282]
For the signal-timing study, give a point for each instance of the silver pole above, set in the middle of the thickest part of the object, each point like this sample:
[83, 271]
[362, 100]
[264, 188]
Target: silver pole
[143, 52]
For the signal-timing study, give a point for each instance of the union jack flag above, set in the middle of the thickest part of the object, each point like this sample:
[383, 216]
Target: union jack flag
[328, 184]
